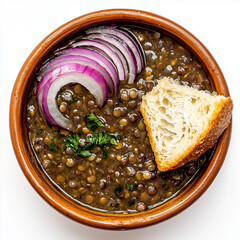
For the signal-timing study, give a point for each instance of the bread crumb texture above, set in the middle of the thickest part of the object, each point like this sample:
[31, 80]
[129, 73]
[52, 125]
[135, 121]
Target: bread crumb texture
[183, 122]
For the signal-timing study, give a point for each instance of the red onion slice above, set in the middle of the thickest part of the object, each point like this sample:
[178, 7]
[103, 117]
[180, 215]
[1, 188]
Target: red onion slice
[118, 52]
[41, 85]
[71, 73]
[104, 61]
[137, 43]
[124, 36]
[109, 51]
[123, 47]
[76, 59]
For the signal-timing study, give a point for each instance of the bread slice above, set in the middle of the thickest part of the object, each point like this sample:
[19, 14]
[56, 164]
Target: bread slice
[183, 122]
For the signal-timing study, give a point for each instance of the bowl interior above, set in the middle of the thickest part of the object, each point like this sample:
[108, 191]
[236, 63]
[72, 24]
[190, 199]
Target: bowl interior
[33, 170]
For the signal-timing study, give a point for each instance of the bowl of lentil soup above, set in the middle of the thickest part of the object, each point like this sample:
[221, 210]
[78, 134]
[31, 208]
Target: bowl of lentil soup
[114, 183]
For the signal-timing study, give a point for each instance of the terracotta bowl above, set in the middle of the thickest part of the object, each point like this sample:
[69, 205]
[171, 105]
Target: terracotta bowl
[25, 154]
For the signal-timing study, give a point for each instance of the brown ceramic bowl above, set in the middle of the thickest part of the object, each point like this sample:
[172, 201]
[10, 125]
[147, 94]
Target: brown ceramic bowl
[25, 154]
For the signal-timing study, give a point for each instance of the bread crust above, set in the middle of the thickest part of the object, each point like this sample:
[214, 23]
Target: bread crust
[218, 124]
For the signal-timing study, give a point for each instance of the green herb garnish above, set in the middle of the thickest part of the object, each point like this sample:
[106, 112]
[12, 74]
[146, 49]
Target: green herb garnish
[103, 139]
[73, 142]
[113, 141]
[93, 121]
[131, 202]
[39, 132]
[84, 153]
[53, 147]
[118, 190]
[131, 187]
[73, 99]
[105, 149]
[87, 147]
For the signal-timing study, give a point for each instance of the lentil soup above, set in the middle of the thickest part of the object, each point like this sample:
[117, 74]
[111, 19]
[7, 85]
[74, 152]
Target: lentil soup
[121, 175]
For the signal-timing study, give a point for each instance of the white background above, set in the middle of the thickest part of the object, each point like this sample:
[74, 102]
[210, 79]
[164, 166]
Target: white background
[23, 213]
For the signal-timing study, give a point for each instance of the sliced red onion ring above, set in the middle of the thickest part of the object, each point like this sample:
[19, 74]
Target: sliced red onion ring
[41, 85]
[65, 60]
[108, 50]
[76, 59]
[71, 73]
[137, 43]
[104, 61]
[123, 47]
[124, 36]
[118, 52]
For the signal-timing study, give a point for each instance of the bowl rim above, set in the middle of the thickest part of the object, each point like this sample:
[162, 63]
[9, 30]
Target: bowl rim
[42, 185]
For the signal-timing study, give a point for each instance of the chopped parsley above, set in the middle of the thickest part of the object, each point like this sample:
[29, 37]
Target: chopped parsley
[105, 149]
[131, 187]
[113, 140]
[131, 202]
[39, 132]
[93, 121]
[53, 147]
[73, 99]
[103, 140]
[87, 147]
[118, 190]
[73, 142]
[84, 153]
[120, 100]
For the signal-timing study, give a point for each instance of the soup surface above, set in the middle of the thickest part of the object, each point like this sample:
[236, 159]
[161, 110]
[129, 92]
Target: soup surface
[123, 176]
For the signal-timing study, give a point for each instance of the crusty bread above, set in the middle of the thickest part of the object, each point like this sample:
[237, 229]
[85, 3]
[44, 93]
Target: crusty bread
[183, 122]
